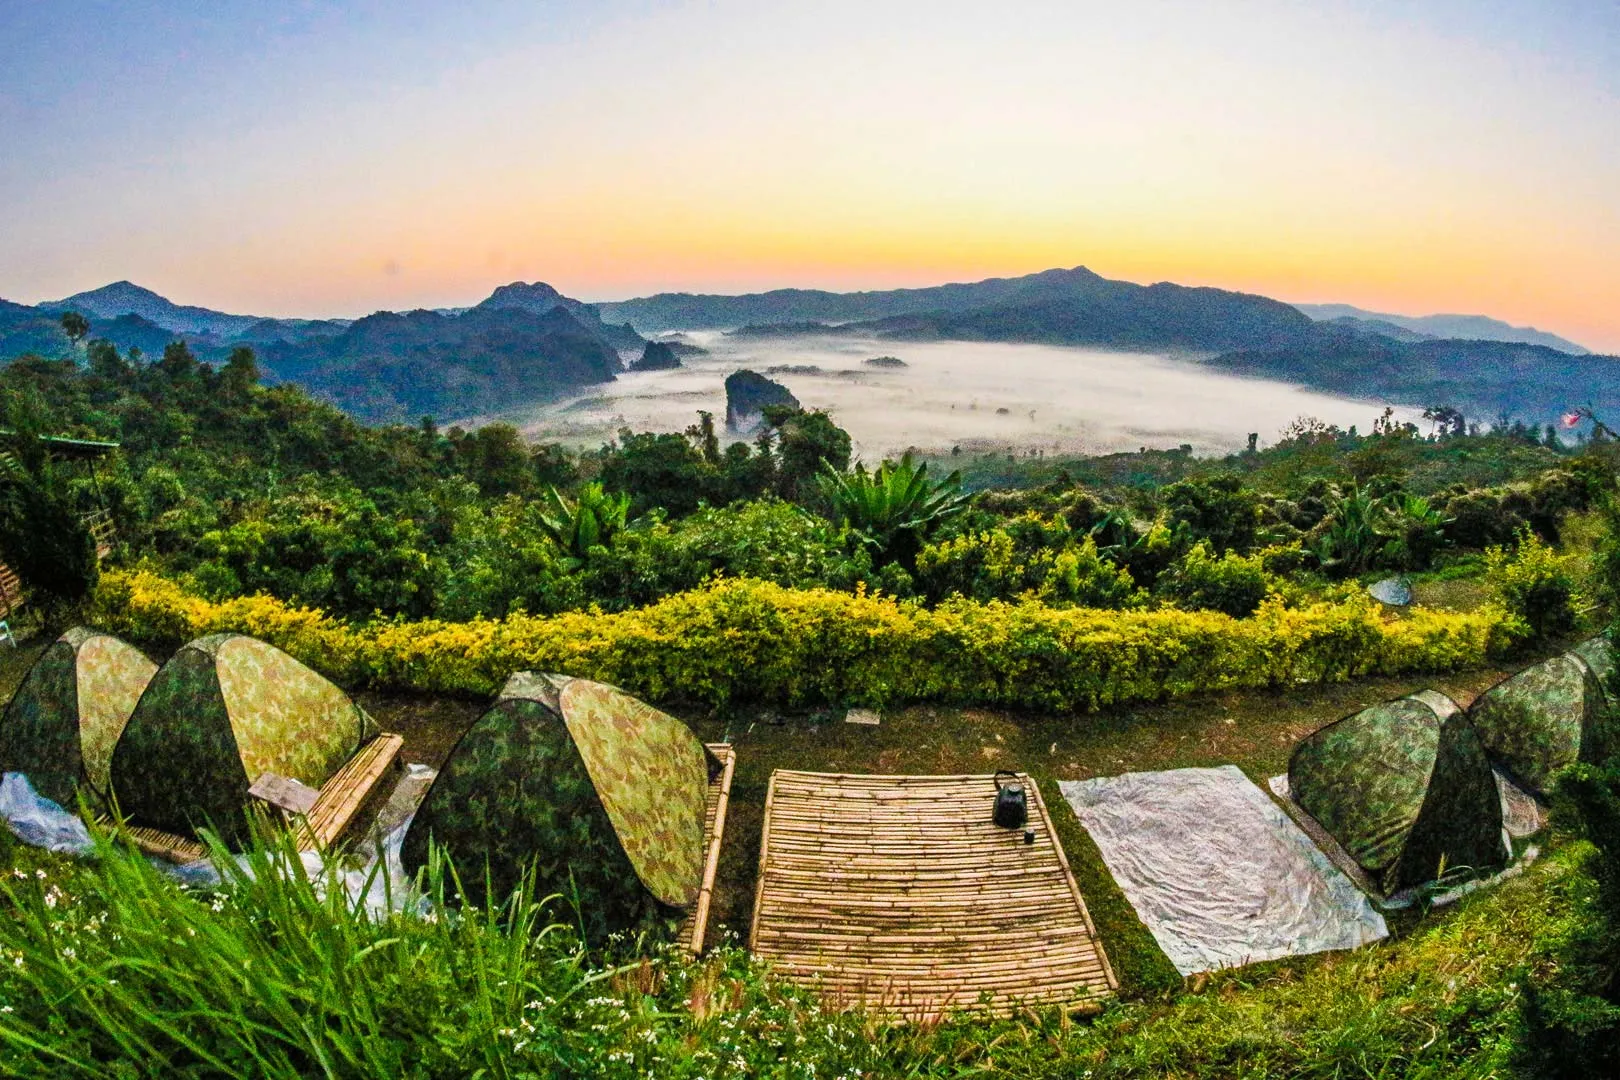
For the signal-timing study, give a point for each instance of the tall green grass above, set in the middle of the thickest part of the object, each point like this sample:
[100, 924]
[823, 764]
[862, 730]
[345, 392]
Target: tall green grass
[112, 969]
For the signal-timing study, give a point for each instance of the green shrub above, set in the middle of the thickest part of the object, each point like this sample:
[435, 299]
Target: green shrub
[1218, 509]
[506, 561]
[769, 539]
[1232, 584]
[742, 640]
[1026, 556]
[1535, 585]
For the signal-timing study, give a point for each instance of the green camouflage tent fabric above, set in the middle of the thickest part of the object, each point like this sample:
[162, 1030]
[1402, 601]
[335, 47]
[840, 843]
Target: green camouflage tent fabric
[1549, 716]
[221, 712]
[602, 794]
[1405, 788]
[64, 720]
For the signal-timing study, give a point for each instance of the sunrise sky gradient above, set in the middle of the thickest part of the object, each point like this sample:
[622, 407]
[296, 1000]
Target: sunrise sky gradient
[334, 159]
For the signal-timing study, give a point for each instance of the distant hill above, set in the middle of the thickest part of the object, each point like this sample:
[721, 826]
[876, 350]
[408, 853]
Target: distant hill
[1378, 328]
[528, 342]
[1078, 307]
[1464, 327]
[539, 298]
[29, 330]
[397, 367]
[657, 356]
[1071, 307]
[127, 298]
[1484, 379]
[696, 311]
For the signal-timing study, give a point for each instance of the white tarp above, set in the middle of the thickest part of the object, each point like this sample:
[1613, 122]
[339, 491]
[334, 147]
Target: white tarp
[1218, 873]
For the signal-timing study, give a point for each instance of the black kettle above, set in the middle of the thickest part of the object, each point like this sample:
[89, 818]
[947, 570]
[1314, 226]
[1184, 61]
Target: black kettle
[1012, 805]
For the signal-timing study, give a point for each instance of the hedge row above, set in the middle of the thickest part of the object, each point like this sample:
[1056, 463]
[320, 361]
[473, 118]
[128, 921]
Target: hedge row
[741, 640]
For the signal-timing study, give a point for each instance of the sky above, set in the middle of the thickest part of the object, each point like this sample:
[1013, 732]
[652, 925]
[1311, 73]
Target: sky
[310, 158]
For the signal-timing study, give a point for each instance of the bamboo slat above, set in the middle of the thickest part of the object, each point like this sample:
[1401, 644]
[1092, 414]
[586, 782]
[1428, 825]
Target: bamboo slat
[695, 927]
[899, 893]
[342, 796]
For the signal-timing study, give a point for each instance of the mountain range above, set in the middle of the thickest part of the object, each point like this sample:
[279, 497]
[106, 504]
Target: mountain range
[1064, 290]
[1460, 327]
[527, 342]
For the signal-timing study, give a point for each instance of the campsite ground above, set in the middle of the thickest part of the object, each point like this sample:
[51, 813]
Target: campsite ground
[1254, 730]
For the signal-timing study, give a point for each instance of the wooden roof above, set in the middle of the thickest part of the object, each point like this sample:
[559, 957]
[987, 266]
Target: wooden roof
[899, 893]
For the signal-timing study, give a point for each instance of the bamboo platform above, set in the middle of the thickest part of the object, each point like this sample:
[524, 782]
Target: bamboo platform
[899, 893]
[695, 927]
[340, 799]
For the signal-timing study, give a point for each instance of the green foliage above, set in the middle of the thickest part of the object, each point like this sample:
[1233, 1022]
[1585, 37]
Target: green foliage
[768, 539]
[1233, 584]
[1219, 509]
[1027, 556]
[579, 527]
[1535, 585]
[332, 549]
[1352, 537]
[505, 560]
[893, 509]
[1365, 528]
[659, 471]
[1571, 1008]
[1416, 531]
[111, 969]
[806, 443]
[42, 538]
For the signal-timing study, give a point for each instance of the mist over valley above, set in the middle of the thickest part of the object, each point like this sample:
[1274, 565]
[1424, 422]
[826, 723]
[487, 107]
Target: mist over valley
[979, 397]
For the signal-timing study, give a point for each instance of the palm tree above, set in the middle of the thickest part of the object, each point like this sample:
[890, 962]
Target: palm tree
[893, 509]
[578, 526]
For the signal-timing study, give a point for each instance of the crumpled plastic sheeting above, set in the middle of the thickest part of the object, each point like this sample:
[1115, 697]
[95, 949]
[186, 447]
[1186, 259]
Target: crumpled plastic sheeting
[1218, 873]
[42, 823]
[38, 821]
[379, 888]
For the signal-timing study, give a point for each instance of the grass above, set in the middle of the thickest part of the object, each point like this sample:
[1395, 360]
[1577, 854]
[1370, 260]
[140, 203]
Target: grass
[111, 970]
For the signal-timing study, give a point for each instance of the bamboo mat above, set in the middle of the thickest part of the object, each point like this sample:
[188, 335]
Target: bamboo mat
[695, 927]
[898, 893]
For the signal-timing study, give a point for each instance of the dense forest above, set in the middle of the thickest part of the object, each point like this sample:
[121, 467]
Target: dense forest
[239, 488]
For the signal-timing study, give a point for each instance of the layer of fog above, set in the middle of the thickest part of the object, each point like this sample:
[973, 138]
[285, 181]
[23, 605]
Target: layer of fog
[980, 397]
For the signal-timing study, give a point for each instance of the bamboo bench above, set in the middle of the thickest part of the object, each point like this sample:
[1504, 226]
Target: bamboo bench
[695, 927]
[340, 799]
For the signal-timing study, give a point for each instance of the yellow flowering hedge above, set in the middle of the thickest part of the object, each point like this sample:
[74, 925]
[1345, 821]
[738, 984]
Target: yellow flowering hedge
[742, 640]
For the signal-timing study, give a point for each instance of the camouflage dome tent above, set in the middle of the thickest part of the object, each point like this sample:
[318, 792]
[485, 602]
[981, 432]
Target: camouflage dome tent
[1547, 717]
[224, 710]
[1403, 786]
[63, 722]
[605, 794]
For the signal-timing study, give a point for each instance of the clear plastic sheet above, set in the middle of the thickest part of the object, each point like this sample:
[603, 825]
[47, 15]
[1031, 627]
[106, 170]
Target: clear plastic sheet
[1218, 873]
[381, 884]
[38, 821]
